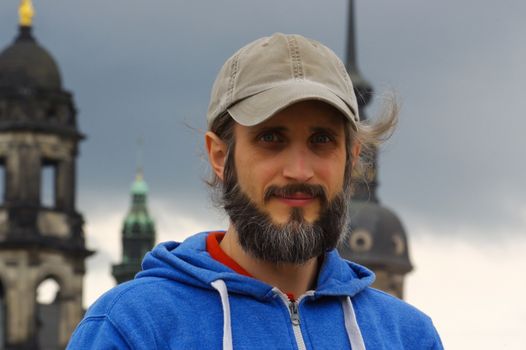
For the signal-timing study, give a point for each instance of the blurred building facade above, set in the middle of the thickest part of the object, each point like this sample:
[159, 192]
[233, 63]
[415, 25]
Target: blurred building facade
[376, 237]
[41, 231]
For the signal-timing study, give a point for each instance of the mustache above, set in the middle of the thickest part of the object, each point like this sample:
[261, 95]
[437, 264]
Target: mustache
[288, 190]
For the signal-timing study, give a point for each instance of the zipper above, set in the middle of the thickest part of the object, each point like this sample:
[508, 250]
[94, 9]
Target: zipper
[293, 308]
[294, 314]
[295, 320]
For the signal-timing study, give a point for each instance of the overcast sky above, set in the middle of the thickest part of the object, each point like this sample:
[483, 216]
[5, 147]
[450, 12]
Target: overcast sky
[454, 171]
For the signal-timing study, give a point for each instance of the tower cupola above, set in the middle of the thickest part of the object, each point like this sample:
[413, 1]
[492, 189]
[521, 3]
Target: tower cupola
[376, 238]
[25, 64]
[138, 232]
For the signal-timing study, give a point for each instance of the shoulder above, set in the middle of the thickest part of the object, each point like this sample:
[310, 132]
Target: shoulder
[382, 313]
[131, 314]
[144, 295]
[103, 320]
[388, 307]
[386, 303]
[97, 332]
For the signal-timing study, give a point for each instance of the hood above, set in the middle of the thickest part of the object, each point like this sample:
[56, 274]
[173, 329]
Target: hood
[189, 262]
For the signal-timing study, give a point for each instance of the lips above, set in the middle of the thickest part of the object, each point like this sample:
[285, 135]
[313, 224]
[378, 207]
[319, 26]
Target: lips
[296, 199]
[296, 194]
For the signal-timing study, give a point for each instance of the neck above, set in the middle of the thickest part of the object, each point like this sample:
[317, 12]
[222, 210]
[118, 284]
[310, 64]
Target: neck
[289, 278]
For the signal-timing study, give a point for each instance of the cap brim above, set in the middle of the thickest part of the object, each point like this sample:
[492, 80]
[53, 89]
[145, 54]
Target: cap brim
[263, 105]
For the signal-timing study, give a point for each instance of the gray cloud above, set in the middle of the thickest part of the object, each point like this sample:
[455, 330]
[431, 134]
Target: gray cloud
[145, 69]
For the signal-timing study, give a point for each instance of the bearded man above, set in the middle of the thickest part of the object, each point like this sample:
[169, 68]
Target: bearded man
[284, 136]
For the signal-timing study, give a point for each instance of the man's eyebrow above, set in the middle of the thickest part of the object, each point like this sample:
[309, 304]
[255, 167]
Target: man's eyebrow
[334, 130]
[257, 129]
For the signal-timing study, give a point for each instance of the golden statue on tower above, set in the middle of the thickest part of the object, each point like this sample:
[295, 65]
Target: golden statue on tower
[26, 13]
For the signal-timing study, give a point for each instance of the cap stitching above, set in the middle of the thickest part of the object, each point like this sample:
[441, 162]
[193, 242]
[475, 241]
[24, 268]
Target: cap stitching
[233, 75]
[348, 86]
[295, 57]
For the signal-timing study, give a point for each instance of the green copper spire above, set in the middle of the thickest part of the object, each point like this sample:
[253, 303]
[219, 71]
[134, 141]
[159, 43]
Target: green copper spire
[139, 187]
[138, 221]
[138, 232]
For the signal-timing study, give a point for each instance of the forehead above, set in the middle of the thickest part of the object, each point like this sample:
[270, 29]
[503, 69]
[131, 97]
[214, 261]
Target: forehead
[310, 114]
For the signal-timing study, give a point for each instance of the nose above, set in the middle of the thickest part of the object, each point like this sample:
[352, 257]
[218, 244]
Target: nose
[298, 165]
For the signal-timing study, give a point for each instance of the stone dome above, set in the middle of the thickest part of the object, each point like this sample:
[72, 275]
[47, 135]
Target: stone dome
[26, 64]
[376, 238]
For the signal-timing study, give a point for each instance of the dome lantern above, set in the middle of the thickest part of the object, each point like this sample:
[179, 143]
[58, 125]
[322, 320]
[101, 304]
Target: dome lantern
[25, 64]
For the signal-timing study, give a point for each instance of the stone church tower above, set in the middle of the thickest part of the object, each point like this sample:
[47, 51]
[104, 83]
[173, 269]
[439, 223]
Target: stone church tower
[377, 238]
[41, 238]
[138, 232]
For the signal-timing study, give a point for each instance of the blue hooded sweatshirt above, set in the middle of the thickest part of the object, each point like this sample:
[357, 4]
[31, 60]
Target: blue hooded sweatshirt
[185, 299]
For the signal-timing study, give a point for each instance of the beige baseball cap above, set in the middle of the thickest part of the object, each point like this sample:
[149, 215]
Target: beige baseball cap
[275, 72]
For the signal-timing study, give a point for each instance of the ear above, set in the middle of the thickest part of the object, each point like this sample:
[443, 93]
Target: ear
[356, 148]
[217, 151]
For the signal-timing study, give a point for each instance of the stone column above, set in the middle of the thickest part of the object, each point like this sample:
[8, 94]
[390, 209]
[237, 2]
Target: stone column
[23, 174]
[21, 301]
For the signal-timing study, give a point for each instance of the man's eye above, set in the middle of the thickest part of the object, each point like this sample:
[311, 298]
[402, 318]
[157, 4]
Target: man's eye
[321, 138]
[269, 137]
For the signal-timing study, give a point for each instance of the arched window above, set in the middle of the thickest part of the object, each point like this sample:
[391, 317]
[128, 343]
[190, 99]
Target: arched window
[48, 313]
[48, 186]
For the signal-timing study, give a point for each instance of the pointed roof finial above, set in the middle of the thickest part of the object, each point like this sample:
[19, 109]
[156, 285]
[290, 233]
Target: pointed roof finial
[362, 88]
[139, 173]
[26, 13]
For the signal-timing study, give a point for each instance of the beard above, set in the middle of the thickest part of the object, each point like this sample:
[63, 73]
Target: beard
[295, 241]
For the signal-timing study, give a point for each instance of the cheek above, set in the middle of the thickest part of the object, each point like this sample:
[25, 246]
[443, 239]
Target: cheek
[331, 173]
[254, 174]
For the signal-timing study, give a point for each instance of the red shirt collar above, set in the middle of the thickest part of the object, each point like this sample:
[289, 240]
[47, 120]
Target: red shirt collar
[215, 251]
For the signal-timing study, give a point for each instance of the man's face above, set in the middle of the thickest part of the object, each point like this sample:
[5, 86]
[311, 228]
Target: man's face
[284, 187]
[302, 144]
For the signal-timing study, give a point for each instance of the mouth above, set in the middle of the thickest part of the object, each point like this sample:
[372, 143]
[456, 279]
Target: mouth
[296, 195]
[298, 199]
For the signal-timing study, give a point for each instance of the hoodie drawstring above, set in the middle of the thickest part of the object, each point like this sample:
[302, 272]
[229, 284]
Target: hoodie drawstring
[220, 286]
[351, 325]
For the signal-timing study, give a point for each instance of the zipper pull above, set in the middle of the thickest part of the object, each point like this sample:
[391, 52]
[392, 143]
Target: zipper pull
[294, 315]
